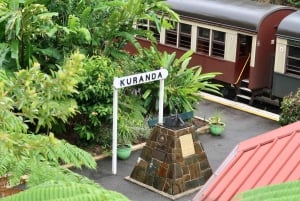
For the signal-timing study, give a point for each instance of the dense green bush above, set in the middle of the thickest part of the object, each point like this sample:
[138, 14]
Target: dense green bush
[290, 108]
[182, 85]
[95, 99]
[93, 123]
[31, 98]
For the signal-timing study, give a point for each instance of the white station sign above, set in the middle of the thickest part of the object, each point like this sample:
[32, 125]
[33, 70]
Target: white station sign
[127, 81]
[140, 78]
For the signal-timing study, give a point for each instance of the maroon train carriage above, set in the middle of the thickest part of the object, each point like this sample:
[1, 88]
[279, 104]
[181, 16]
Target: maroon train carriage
[235, 37]
[286, 76]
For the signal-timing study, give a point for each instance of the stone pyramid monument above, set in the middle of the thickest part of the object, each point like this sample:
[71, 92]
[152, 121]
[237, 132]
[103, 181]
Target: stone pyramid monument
[173, 160]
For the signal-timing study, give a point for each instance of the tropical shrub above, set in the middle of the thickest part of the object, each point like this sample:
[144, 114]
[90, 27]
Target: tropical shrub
[54, 29]
[182, 85]
[27, 29]
[29, 99]
[41, 99]
[95, 99]
[290, 108]
[104, 27]
[93, 123]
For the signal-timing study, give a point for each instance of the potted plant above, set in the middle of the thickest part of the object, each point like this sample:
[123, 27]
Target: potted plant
[125, 138]
[129, 129]
[216, 125]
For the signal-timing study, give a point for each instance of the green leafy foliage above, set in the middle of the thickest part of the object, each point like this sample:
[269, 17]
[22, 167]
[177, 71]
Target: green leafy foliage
[23, 102]
[66, 191]
[295, 3]
[51, 30]
[131, 120]
[95, 97]
[182, 85]
[36, 155]
[104, 27]
[288, 191]
[43, 99]
[290, 108]
[26, 24]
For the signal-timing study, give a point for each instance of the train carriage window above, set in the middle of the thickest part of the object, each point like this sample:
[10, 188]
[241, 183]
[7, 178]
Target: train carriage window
[203, 40]
[218, 43]
[142, 24]
[185, 36]
[244, 42]
[153, 28]
[148, 25]
[293, 60]
[171, 36]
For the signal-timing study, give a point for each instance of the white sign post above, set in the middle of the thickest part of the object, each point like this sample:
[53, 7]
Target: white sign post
[128, 81]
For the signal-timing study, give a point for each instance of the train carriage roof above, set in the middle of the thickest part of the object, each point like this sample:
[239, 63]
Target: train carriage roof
[238, 14]
[290, 27]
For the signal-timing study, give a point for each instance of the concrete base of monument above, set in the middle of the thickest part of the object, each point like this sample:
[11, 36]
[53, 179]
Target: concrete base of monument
[172, 197]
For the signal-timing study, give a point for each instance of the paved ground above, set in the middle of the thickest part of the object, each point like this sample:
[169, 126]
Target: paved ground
[240, 125]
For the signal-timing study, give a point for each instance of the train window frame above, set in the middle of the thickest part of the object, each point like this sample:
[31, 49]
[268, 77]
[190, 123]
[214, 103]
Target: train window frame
[152, 27]
[215, 47]
[185, 36]
[218, 43]
[203, 42]
[142, 24]
[292, 64]
[149, 26]
[171, 35]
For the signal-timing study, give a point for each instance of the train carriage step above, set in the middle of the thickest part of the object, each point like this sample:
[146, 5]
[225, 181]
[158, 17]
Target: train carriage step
[246, 81]
[245, 89]
[243, 97]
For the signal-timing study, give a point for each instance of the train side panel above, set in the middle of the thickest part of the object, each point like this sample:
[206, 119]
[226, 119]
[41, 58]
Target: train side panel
[286, 77]
[261, 73]
[236, 38]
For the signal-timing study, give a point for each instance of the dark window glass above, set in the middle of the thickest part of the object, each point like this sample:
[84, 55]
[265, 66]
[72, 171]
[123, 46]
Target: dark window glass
[218, 44]
[185, 36]
[171, 36]
[142, 24]
[293, 60]
[244, 44]
[203, 40]
[153, 28]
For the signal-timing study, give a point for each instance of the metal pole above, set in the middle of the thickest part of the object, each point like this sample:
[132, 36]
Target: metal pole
[115, 127]
[161, 101]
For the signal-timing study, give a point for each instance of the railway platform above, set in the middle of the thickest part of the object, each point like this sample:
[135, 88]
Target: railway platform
[242, 122]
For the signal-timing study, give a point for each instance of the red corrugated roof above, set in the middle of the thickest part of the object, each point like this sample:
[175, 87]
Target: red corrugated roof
[270, 158]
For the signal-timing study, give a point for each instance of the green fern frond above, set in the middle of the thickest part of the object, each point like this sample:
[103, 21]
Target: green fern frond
[43, 172]
[66, 191]
[30, 153]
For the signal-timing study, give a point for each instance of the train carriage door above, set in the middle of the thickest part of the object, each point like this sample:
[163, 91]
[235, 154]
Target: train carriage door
[243, 56]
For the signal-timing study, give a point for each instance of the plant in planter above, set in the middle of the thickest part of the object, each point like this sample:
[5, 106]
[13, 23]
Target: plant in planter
[182, 84]
[216, 125]
[125, 138]
[130, 128]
